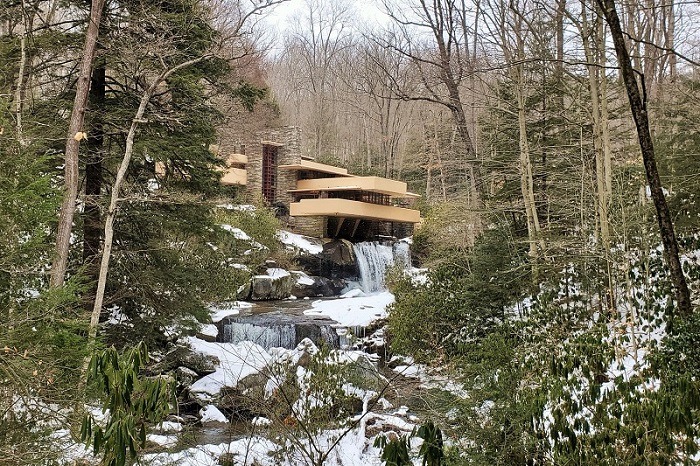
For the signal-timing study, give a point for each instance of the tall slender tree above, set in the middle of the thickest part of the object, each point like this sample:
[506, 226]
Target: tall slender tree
[76, 134]
[636, 93]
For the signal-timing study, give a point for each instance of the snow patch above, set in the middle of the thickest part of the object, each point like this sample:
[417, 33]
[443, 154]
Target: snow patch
[304, 243]
[358, 311]
[211, 413]
[236, 361]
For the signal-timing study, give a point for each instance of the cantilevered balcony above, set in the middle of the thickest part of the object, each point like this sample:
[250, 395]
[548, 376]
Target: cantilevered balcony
[346, 208]
[235, 171]
[373, 184]
[327, 191]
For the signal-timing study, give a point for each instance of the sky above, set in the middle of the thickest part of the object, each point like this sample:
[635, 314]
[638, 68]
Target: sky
[367, 10]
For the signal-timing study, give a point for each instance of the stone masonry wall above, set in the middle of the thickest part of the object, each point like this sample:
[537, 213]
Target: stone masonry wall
[309, 226]
[287, 140]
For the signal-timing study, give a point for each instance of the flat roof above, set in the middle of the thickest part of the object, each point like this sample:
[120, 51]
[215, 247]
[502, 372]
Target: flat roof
[373, 184]
[355, 188]
[317, 167]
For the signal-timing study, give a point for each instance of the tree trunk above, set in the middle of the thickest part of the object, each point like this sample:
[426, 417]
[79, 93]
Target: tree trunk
[526, 182]
[641, 120]
[670, 42]
[20, 86]
[429, 167]
[65, 221]
[589, 33]
[92, 218]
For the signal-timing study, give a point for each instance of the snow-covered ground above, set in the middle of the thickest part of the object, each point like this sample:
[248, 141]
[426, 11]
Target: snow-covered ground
[355, 309]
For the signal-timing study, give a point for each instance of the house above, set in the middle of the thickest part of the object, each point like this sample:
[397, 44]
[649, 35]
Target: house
[318, 199]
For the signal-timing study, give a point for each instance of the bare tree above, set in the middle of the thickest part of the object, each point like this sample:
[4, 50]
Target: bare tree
[510, 24]
[372, 79]
[435, 37]
[308, 68]
[638, 105]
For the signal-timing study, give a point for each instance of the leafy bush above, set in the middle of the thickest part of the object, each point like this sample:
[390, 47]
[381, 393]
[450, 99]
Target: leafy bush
[132, 401]
[463, 298]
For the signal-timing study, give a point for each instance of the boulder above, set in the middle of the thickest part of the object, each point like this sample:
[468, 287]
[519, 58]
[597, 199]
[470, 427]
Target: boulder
[338, 260]
[207, 332]
[198, 363]
[244, 291]
[272, 286]
[185, 376]
[363, 373]
[311, 286]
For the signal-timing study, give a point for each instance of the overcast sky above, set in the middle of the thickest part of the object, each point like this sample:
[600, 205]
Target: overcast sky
[367, 11]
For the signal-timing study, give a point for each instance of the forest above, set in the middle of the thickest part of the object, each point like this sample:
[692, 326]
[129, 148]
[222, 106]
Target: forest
[547, 313]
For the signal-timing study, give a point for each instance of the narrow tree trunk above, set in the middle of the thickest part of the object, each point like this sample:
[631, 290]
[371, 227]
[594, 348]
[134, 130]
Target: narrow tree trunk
[111, 214]
[27, 27]
[526, 181]
[429, 167]
[457, 110]
[92, 218]
[20, 86]
[641, 120]
[65, 221]
[670, 41]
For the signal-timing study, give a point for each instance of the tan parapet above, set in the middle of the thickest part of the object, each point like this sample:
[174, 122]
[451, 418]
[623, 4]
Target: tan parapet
[352, 209]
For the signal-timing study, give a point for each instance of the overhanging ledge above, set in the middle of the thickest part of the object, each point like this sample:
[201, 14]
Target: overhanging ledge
[352, 209]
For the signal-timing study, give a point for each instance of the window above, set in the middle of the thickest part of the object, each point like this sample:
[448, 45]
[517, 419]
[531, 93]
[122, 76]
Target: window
[269, 173]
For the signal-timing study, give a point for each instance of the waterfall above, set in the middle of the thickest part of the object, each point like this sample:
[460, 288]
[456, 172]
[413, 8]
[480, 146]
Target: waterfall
[373, 260]
[278, 330]
[282, 336]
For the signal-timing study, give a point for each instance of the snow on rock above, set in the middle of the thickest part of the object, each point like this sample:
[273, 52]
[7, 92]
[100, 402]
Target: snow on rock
[261, 421]
[303, 243]
[220, 311]
[209, 331]
[238, 266]
[242, 235]
[237, 232]
[357, 311]
[276, 272]
[169, 426]
[396, 422]
[211, 413]
[245, 452]
[431, 380]
[408, 371]
[167, 441]
[303, 279]
[236, 361]
[354, 293]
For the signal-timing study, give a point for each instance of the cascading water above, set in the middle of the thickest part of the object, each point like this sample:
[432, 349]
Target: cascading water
[402, 254]
[275, 330]
[373, 260]
[282, 336]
